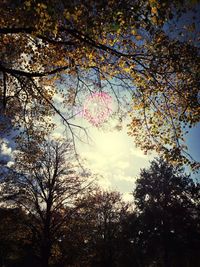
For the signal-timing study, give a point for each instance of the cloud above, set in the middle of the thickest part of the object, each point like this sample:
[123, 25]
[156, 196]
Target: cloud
[121, 176]
[137, 153]
[58, 98]
[5, 150]
[128, 197]
[57, 135]
[5, 153]
[122, 165]
[104, 182]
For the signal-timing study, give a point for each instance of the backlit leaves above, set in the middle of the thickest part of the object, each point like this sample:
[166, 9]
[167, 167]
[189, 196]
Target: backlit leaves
[76, 48]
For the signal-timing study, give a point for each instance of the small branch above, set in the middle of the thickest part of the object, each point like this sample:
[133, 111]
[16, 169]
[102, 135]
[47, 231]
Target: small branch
[65, 121]
[4, 90]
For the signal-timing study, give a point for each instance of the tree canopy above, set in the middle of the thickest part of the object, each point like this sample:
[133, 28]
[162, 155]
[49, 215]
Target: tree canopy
[168, 216]
[79, 47]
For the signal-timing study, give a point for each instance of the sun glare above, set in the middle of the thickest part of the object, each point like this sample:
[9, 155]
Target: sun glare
[108, 144]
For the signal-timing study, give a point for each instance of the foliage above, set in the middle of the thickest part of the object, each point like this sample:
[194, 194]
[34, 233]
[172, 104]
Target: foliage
[106, 211]
[75, 48]
[93, 235]
[167, 225]
[14, 236]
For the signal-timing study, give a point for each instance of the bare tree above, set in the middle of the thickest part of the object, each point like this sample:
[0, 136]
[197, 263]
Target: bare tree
[45, 181]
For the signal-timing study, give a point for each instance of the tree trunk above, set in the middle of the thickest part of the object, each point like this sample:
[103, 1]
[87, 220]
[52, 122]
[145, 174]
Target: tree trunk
[46, 246]
[46, 251]
[166, 259]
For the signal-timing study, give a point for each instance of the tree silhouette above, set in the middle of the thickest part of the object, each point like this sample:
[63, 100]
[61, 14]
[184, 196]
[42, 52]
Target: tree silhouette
[67, 225]
[166, 216]
[94, 235]
[44, 181]
[15, 239]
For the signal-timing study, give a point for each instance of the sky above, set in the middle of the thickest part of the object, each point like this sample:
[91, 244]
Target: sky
[112, 154]
[107, 152]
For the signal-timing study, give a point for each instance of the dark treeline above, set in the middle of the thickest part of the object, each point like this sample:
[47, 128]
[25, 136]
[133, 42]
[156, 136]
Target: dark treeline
[51, 216]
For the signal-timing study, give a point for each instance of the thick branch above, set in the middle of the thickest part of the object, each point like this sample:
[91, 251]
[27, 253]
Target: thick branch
[16, 30]
[31, 74]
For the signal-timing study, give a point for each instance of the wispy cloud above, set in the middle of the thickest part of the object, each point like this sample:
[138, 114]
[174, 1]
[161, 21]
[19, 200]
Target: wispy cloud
[137, 153]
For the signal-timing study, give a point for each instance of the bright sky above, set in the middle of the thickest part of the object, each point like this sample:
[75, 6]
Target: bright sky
[112, 155]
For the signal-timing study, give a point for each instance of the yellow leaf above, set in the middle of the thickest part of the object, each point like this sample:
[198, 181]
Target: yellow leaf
[138, 37]
[28, 3]
[134, 32]
[154, 20]
[154, 10]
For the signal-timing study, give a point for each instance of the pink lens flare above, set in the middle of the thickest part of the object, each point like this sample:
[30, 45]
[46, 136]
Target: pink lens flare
[97, 108]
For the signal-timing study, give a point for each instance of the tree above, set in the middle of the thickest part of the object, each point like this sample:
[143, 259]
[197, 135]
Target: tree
[15, 238]
[93, 238]
[91, 46]
[107, 211]
[167, 227]
[44, 182]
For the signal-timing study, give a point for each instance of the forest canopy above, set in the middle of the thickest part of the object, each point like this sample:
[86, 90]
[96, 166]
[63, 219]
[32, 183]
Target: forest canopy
[77, 48]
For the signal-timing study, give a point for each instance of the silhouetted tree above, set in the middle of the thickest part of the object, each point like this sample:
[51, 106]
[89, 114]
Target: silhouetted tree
[166, 227]
[15, 238]
[94, 236]
[44, 181]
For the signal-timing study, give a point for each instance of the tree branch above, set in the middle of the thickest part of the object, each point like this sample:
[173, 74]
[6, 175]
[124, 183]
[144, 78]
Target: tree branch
[31, 74]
